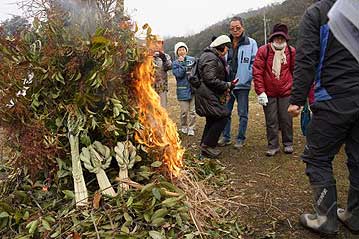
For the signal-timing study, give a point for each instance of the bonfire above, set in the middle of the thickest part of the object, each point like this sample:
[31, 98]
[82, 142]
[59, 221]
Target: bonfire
[91, 152]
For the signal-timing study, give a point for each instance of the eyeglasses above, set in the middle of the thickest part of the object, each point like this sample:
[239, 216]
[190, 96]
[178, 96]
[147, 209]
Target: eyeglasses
[237, 28]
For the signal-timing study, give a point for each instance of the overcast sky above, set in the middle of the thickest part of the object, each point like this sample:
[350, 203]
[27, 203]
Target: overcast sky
[170, 17]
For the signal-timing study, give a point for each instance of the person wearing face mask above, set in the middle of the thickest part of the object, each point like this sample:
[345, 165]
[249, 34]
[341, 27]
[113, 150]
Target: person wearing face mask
[273, 78]
[210, 96]
[181, 69]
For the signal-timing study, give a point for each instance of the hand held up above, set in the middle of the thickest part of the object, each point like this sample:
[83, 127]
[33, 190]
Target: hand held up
[233, 83]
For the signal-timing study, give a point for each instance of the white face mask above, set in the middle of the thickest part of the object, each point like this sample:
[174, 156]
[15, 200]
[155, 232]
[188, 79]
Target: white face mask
[279, 46]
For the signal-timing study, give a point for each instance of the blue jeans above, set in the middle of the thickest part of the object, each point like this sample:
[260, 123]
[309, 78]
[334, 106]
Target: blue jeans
[242, 108]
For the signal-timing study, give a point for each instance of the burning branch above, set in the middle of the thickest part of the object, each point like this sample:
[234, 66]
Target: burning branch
[159, 131]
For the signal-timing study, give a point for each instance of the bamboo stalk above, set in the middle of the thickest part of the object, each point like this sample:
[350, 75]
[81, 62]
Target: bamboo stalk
[97, 158]
[79, 181]
[123, 174]
[104, 183]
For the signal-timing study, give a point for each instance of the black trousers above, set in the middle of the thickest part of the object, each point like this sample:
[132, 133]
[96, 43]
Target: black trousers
[335, 122]
[212, 130]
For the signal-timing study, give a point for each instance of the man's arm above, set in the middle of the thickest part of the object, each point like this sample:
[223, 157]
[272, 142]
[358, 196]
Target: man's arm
[307, 56]
[209, 76]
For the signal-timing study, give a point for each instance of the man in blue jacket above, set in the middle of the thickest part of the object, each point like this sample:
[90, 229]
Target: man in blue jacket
[240, 59]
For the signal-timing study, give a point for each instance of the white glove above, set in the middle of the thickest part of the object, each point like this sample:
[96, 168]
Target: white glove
[263, 99]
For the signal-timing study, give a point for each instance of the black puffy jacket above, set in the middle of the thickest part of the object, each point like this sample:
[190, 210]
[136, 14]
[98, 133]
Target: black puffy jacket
[210, 96]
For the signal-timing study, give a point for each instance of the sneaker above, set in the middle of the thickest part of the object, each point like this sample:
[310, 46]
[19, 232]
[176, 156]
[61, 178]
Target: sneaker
[190, 132]
[271, 152]
[239, 144]
[288, 149]
[184, 130]
[210, 152]
[223, 142]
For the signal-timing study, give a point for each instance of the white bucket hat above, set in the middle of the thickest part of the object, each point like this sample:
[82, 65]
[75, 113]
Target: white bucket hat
[180, 44]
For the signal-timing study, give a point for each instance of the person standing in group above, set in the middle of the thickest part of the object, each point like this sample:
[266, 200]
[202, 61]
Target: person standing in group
[322, 59]
[240, 59]
[273, 79]
[181, 69]
[162, 63]
[210, 96]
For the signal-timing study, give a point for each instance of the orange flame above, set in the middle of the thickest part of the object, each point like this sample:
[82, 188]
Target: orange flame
[159, 131]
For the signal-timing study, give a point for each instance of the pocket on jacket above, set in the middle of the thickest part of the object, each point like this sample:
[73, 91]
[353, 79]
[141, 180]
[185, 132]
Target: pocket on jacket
[207, 103]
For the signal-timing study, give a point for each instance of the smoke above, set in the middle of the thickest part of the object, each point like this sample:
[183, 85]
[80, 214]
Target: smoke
[82, 15]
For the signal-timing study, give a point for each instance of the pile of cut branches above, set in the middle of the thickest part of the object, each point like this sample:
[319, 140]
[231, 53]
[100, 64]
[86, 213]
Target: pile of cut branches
[73, 168]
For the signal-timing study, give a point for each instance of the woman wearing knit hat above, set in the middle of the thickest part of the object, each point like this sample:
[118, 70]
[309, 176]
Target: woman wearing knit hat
[181, 68]
[273, 78]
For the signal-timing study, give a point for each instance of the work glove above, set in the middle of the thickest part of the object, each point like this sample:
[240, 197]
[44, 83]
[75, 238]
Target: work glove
[233, 83]
[263, 99]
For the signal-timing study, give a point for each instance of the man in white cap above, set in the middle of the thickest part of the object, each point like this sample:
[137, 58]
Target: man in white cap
[181, 69]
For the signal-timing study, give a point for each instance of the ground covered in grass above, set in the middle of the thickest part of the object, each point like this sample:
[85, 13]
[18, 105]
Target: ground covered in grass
[266, 194]
[270, 193]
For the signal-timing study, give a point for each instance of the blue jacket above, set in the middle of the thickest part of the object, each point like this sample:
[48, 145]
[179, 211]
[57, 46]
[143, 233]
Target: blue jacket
[181, 71]
[241, 64]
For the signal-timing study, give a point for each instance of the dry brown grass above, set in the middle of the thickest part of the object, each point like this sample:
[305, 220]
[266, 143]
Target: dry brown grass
[273, 191]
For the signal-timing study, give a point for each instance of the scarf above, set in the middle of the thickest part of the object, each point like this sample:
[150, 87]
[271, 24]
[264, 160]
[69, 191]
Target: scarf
[279, 58]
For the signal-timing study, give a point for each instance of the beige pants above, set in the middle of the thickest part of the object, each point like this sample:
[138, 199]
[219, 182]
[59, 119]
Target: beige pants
[188, 114]
[163, 99]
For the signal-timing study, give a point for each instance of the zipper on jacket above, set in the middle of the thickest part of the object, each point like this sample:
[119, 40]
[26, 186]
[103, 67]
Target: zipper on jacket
[242, 57]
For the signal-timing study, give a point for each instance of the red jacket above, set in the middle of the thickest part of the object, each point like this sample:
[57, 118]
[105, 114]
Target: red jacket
[264, 79]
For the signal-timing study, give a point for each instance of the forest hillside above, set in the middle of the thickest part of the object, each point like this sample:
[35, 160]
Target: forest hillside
[288, 12]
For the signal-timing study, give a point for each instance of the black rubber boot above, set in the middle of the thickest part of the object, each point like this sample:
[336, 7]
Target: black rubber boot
[324, 220]
[350, 216]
